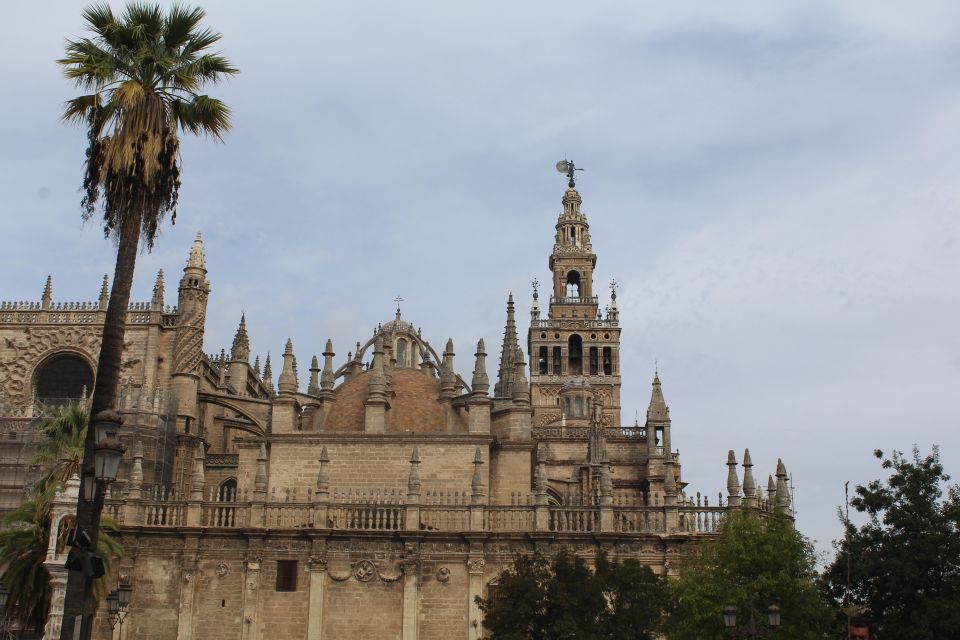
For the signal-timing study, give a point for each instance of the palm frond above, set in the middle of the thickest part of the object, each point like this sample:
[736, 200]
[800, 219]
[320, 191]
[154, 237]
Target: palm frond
[202, 115]
[180, 23]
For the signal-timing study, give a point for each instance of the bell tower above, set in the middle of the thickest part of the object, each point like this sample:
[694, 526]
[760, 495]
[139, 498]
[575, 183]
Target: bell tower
[575, 350]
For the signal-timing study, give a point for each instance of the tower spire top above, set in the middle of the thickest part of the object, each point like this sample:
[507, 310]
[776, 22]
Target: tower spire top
[569, 168]
[508, 354]
[197, 259]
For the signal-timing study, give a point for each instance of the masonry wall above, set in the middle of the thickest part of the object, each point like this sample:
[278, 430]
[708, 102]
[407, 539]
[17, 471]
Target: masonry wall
[370, 610]
[442, 606]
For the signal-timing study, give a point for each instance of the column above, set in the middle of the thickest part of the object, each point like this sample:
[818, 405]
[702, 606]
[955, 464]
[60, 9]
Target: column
[410, 598]
[188, 580]
[474, 589]
[318, 577]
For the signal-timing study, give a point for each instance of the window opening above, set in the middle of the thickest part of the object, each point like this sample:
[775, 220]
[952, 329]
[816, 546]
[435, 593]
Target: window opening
[575, 355]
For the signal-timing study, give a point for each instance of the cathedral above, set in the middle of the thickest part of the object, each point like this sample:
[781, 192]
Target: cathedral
[380, 500]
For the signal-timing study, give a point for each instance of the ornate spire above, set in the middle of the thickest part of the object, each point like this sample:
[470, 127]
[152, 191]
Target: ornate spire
[241, 342]
[658, 411]
[222, 368]
[256, 366]
[104, 292]
[448, 377]
[327, 377]
[783, 488]
[287, 383]
[508, 364]
[197, 259]
[313, 388]
[733, 482]
[480, 382]
[157, 299]
[749, 486]
[47, 297]
[771, 491]
[268, 375]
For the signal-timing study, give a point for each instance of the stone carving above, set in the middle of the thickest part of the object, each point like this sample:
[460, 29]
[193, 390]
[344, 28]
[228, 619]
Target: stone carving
[548, 418]
[222, 569]
[317, 564]
[365, 571]
[475, 565]
[443, 574]
[35, 345]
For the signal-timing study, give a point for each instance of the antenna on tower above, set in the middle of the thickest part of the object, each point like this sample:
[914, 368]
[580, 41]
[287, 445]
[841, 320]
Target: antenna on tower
[567, 167]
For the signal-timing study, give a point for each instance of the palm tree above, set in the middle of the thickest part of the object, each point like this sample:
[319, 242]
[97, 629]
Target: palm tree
[23, 545]
[142, 72]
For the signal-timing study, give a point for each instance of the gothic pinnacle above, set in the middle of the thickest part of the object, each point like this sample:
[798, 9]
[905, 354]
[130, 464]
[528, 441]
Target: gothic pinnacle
[48, 292]
[287, 383]
[448, 377]
[157, 299]
[658, 409]
[749, 486]
[197, 259]
[508, 365]
[327, 377]
[268, 375]
[313, 388]
[104, 292]
[241, 342]
[480, 382]
[733, 482]
[783, 488]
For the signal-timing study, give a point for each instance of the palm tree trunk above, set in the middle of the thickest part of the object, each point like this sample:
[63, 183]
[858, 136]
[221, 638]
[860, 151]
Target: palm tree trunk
[78, 599]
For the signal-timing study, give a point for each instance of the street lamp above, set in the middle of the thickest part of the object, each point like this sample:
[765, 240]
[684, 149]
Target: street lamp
[751, 630]
[117, 602]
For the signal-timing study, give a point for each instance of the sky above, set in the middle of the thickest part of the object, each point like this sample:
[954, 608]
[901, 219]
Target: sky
[773, 185]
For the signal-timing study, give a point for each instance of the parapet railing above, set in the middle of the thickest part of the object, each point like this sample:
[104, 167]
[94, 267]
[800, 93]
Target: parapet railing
[457, 511]
[582, 433]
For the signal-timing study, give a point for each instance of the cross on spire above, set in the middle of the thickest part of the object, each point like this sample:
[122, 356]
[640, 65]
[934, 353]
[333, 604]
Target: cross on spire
[398, 300]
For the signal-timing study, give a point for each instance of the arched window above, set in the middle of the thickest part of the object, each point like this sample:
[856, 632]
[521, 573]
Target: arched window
[227, 491]
[575, 355]
[63, 377]
[542, 361]
[401, 353]
[573, 284]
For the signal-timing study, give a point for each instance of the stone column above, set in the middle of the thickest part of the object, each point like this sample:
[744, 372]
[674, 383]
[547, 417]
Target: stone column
[188, 581]
[411, 593]
[474, 590]
[318, 577]
[250, 599]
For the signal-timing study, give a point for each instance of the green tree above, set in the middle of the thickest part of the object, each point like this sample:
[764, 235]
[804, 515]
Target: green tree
[23, 545]
[540, 600]
[755, 563]
[142, 73]
[905, 561]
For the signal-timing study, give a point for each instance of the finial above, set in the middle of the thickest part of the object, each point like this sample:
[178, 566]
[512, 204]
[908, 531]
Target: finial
[398, 300]
[48, 292]
[480, 382]
[197, 259]
[567, 167]
[240, 350]
[613, 289]
[536, 289]
[104, 291]
[158, 290]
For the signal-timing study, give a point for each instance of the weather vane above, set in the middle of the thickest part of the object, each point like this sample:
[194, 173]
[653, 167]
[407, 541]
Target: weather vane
[536, 287]
[613, 289]
[567, 167]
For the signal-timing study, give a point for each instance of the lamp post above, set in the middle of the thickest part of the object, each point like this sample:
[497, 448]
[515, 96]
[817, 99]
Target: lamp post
[751, 629]
[106, 453]
[117, 603]
[4, 594]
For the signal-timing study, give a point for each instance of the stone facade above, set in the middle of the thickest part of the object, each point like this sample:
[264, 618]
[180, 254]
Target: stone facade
[382, 499]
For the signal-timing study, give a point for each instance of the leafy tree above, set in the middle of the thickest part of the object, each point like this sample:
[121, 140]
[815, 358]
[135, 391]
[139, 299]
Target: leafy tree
[23, 546]
[142, 73]
[540, 600]
[905, 561]
[755, 563]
